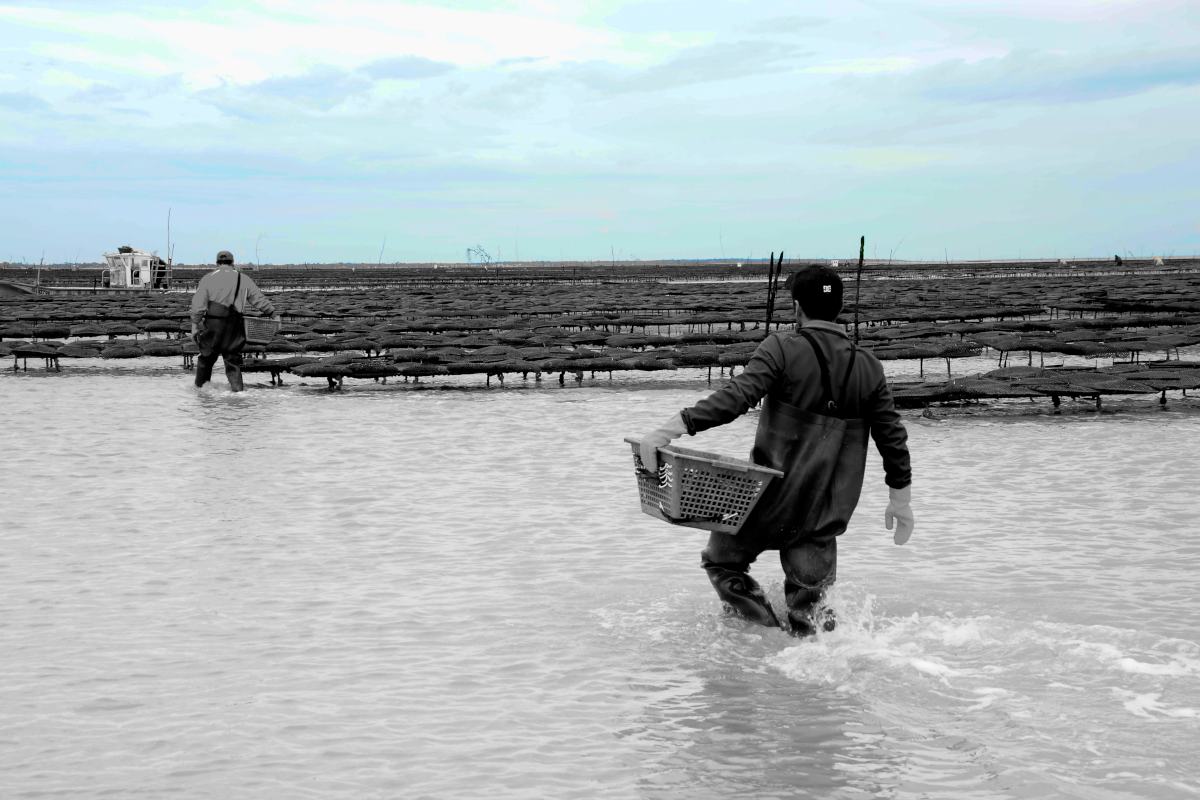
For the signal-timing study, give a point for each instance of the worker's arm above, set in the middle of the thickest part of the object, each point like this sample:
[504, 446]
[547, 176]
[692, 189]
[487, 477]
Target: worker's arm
[742, 392]
[256, 299]
[199, 304]
[722, 406]
[891, 440]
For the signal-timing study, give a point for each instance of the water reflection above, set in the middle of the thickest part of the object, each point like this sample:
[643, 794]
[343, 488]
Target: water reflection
[748, 735]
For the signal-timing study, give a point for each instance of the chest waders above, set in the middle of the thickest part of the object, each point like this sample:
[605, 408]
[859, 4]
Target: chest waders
[224, 335]
[823, 457]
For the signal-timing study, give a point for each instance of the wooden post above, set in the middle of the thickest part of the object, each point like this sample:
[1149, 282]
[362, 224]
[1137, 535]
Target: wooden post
[862, 243]
[770, 299]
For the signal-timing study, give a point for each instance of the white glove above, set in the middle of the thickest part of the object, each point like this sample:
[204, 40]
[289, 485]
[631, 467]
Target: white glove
[899, 511]
[649, 444]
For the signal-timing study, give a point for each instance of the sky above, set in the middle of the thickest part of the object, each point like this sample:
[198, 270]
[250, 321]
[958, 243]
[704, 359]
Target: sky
[304, 131]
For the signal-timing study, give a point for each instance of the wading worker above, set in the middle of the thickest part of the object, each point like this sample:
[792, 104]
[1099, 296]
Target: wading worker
[217, 326]
[821, 396]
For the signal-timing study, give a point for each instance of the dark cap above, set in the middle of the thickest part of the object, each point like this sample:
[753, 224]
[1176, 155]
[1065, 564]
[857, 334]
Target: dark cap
[224, 257]
[818, 290]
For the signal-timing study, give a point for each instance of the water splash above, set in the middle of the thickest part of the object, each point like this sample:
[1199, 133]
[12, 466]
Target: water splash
[1005, 685]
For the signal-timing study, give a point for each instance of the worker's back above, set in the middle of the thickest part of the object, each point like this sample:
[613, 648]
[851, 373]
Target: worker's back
[814, 427]
[226, 286]
[799, 381]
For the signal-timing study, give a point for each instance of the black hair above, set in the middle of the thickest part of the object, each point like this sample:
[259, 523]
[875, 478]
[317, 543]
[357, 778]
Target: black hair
[818, 290]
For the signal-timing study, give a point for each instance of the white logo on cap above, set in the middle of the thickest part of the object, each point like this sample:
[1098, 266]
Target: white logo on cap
[827, 289]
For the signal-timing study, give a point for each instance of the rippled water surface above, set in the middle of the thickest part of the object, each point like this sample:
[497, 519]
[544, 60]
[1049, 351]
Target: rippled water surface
[443, 592]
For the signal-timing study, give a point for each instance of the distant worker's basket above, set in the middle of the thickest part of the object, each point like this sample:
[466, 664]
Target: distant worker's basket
[260, 330]
[701, 490]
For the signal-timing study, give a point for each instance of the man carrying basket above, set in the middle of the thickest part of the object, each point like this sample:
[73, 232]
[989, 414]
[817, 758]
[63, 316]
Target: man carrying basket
[217, 325]
[821, 397]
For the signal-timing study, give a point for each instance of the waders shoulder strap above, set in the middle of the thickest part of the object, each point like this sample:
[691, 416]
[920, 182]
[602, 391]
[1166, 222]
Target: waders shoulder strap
[826, 386]
[827, 397]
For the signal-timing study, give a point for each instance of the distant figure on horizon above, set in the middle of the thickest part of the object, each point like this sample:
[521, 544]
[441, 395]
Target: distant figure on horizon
[217, 326]
[818, 439]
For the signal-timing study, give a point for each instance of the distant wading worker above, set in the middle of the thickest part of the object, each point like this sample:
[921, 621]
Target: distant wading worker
[821, 396]
[217, 326]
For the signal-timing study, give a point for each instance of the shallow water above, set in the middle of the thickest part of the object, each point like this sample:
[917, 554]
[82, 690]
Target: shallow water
[432, 591]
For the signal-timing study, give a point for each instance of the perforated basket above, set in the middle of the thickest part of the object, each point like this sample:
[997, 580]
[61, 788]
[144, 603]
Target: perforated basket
[700, 490]
[260, 330]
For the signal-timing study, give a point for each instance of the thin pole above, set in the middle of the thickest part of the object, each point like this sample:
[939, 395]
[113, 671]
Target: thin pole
[862, 243]
[775, 283]
[770, 295]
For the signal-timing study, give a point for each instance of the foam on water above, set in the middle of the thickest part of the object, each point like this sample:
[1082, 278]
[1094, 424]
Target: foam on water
[1088, 696]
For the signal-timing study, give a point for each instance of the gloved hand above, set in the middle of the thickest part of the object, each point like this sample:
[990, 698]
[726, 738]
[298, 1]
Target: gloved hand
[648, 447]
[900, 512]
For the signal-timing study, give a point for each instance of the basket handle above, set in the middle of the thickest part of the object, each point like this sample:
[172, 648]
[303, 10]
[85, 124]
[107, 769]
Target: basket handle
[687, 520]
[742, 468]
[640, 469]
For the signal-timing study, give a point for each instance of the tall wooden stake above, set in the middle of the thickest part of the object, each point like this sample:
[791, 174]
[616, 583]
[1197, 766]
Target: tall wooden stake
[778, 275]
[770, 300]
[773, 273]
[862, 243]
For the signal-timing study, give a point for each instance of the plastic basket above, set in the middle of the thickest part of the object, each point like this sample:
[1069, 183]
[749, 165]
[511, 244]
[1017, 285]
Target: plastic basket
[700, 490]
[260, 330]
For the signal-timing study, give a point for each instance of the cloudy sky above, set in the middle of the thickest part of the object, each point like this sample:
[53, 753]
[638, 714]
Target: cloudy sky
[311, 131]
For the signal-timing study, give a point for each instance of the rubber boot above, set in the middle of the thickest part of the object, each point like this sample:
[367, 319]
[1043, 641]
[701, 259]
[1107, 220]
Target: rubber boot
[742, 595]
[233, 372]
[207, 356]
[807, 612]
[204, 368]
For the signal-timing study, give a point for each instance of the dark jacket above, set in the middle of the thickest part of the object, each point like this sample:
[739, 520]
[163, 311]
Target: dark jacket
[785, 367]
[784, 372]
